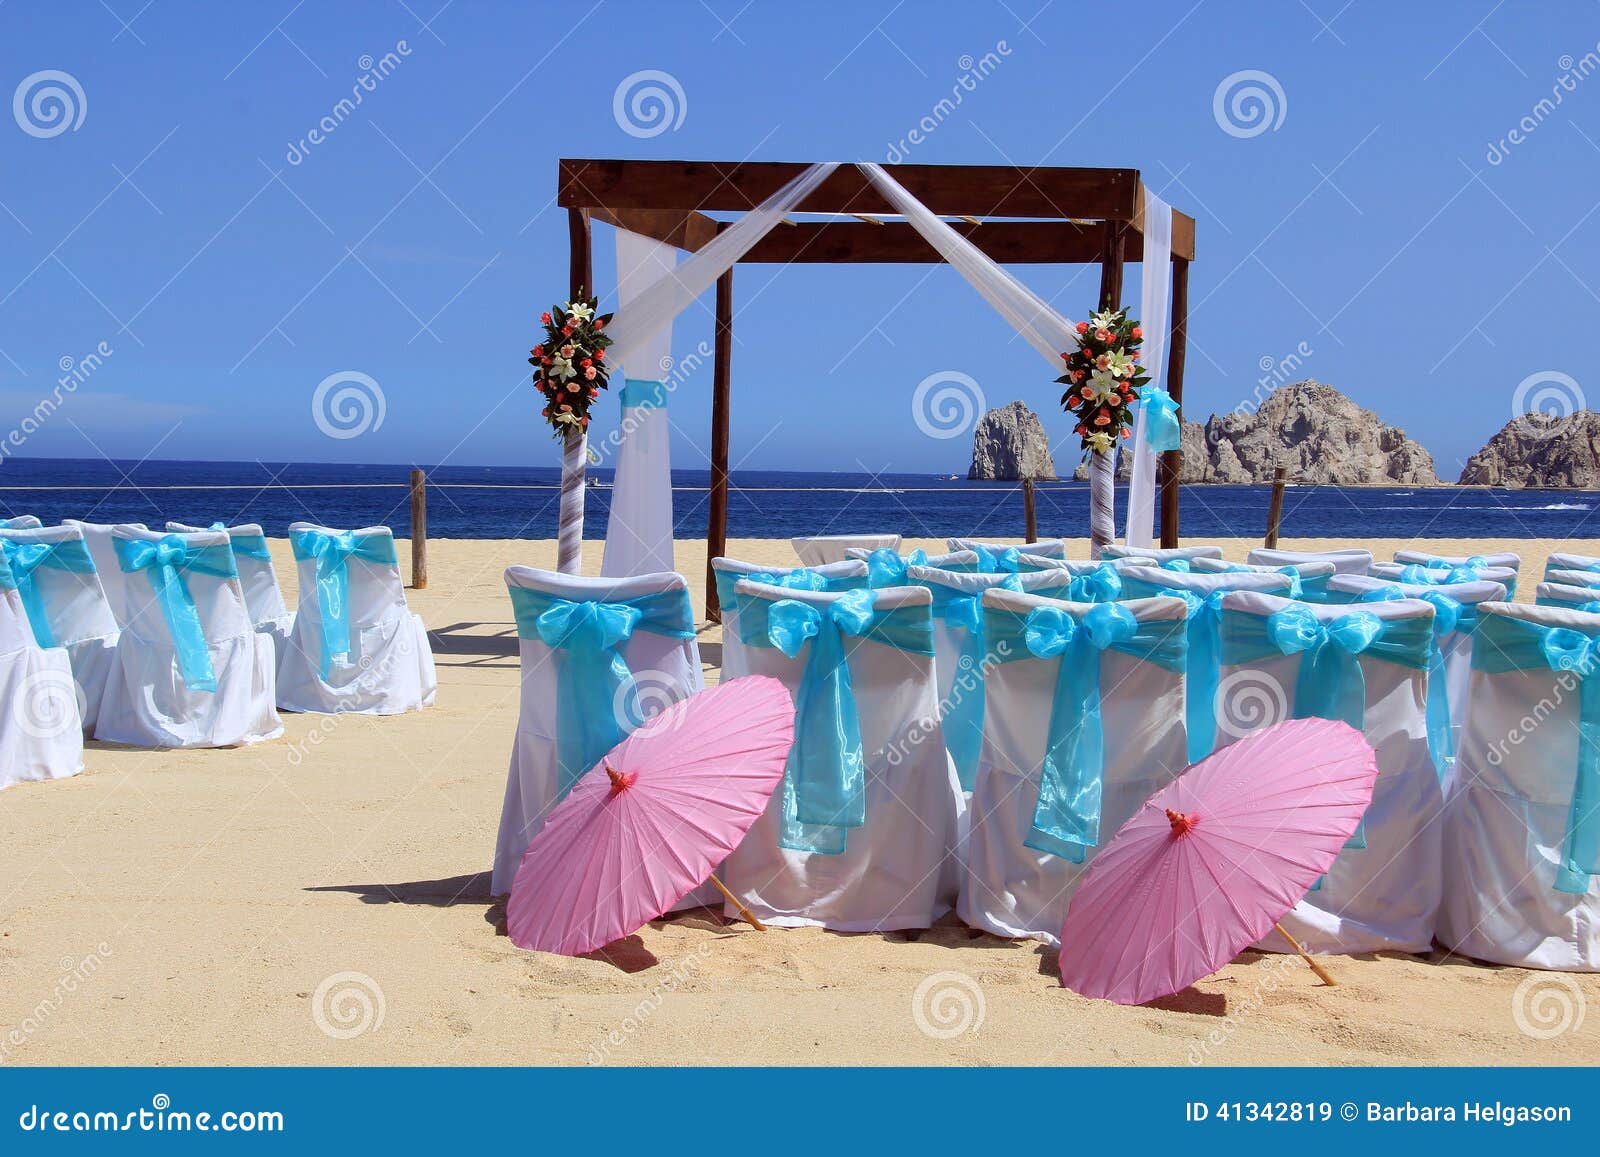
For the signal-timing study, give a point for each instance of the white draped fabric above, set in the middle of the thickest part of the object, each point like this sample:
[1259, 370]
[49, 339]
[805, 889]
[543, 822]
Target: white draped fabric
[1351, 560]
[112, 581]
[639, 529]
[820, 550]
[838, 575]
[1154, 309]
[41, 733]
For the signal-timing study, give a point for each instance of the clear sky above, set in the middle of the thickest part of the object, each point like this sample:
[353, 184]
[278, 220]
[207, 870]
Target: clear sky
[229, 266]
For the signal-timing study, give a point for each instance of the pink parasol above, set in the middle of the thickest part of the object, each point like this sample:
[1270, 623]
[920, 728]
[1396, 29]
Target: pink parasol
[1211, 862]
[646, 826]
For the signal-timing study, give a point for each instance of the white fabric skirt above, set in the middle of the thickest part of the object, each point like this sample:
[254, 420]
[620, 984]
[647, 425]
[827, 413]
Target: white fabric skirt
[147, 703]
[392, 671]
[40, 737]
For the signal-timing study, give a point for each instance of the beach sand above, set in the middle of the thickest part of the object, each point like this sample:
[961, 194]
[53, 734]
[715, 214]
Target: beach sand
[322, 899]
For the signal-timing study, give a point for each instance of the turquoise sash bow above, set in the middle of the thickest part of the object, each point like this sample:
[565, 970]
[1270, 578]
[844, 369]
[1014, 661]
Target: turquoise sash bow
[596, 700]
[167, 561]
[23, 558]
[246, 545]
[1204, 671]
[1066, 819]
[962, 713]
[885, 567]
[1310, 590]
[1162, 429]
[1177, 565]
[1426, 574]
[1506, 644]
[644, 393]
[332, 553]
[1004, 562]
[824, 781]
[1103, 584]
[799, 579]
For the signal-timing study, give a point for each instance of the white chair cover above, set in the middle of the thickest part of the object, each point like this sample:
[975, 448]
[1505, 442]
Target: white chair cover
[1116, 550]
[1311, 571]
[1505, 829]
[1396, 572]
[889, 875]
[1573, 578]
[21, 522]
[665, 670]
[832, 547]
[728, 571]
[1350, 561]
[263, 598]
[148, 702]
[1041, 548]
[112, 581]
[1446, 561]
[41, 732]
[1561, 561]
[1011, 889]
[1384, 896]
[77, 617]
[390, 665]
[1567, 595]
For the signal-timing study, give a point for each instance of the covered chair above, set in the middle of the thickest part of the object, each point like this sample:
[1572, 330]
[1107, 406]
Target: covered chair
[60, 589]
[1522, 835]
[1116, 550]
[816, 551]
[1574, 578]
[1351, 560]
[356, 646]
[887, 568]
[20, 522]
[1560, 560]
[1308, 580]
[1042, 548]
[857, 836]
[850, 575]
[1509, 559]
[1419, 575]
[98, 536]
[262, 596]
[1572, 597]
[190, 671]
[1455, 625]
[1083, 722]
[41, 731]
[599, 655]
[1367, 666]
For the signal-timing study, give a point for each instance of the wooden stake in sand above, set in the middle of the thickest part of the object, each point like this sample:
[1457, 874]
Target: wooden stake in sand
[737, 903]
[1322, 973]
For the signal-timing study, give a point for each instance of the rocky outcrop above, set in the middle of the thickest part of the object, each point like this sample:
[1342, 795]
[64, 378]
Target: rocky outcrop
[1320, 435]
[1313, 430]
[1540, 451]
[1010, 444]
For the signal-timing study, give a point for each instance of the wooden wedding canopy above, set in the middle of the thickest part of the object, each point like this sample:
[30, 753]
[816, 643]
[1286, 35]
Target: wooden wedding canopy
[1017, 215]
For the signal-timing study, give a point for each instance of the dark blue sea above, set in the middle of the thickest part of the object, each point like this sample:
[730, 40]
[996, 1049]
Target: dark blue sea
[520, 502]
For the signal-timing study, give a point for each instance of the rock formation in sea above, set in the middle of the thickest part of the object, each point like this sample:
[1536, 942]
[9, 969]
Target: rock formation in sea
[1540, 450]
[1010, 444]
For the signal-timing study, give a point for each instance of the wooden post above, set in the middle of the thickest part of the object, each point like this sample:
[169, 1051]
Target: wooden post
[1030, 520]
[721, 396]
[419, 530]
[575, 446]
[1102, 467]
[1111, 265]
[1177, 351]
[1275, 507]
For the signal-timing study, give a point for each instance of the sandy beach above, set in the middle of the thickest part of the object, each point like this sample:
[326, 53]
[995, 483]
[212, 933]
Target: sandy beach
[322, 899]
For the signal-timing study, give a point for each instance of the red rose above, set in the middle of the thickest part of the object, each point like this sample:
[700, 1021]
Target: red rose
[545, 318]
[600, 355]
[1137, 332]
[586, 363]
[1083, 326]
[566, 330]
[599, 323]
[1126, 432]
[537, 351]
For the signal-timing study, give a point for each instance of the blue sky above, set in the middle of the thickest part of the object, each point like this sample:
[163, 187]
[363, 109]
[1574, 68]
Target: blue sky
[417, 243]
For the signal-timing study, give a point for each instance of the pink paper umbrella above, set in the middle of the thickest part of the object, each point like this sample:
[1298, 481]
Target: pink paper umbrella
[1211, 862]
[648, 823]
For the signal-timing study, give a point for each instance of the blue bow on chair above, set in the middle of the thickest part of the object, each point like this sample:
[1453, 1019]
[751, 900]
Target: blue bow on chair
[824, 785]
[962, 610]
[1101, 585]
[1204, 671]
[1162, 430]
[246, 545]
[26, 557]
[167, 561]
[885, 567]
[332, 553]
[1004, 562]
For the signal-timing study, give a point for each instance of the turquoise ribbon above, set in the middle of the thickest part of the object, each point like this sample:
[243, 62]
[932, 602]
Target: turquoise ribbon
[1004, 562]
[798, 579]
[962, 714]
[24, 558]
[1162, 429]
[1066, 818]
[1177, 565]
[1588, 606]
[885, 567]
[246, 545]
[644, 393]
[1507, 644]
[332, 553]
[1203, 671]
[824, 782]
[166, 561]
[596, 699]
[1103, 584]
[1426, 574]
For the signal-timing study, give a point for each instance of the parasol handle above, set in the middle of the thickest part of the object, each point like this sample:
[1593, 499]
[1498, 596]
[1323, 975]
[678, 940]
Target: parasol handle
[737, 903]
[1322, 973]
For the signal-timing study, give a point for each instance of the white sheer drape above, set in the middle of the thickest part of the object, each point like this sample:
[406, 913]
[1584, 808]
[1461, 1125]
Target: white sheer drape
[1156, 285]
[639, 530]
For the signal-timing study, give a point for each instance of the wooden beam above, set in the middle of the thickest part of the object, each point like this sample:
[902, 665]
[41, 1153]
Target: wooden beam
[1177, 352]
[896, 243]
[1113, 246]
[1182, 235]
[686, 230]
[721, 398]
[949, 190]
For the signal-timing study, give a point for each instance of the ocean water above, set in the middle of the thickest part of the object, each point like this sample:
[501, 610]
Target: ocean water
[520, 502]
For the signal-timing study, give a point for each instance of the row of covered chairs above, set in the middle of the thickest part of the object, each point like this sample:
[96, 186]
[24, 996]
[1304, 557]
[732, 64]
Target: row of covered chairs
[180, 638]
[1015, 708]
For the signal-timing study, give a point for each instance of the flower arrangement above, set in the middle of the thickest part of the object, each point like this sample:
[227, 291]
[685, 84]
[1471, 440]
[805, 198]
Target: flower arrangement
[569, 365]
[1103, 379]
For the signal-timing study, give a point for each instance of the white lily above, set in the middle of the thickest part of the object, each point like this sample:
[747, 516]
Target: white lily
[561, 369]
[1104, 384]
[578, 311]
[1120, 364]
[1106, 319]
[568, 417]
[1101, 443]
